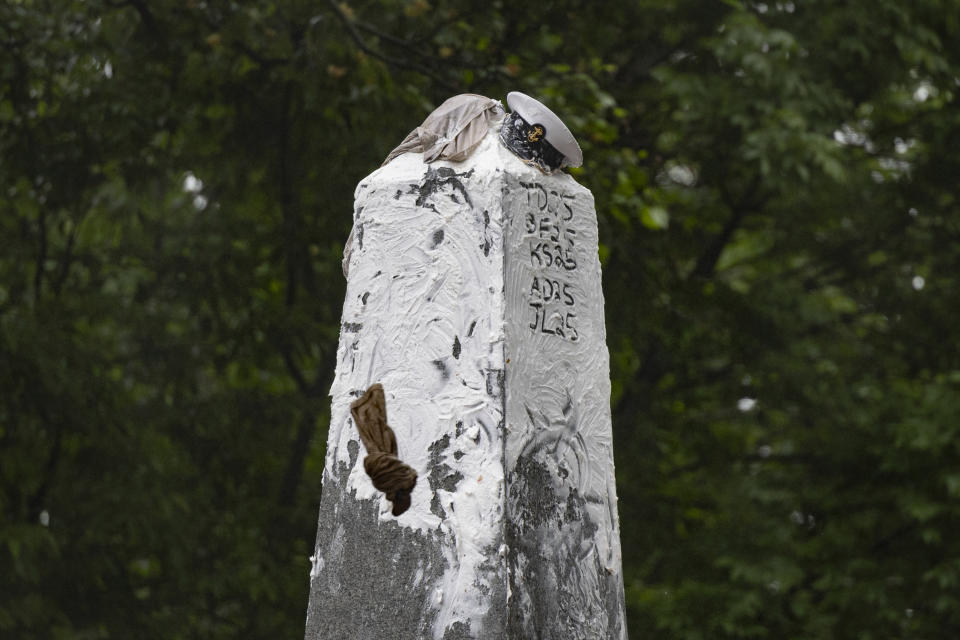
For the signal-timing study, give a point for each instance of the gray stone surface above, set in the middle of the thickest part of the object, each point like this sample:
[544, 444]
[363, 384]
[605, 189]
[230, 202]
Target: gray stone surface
[373, 591]
[562, 529]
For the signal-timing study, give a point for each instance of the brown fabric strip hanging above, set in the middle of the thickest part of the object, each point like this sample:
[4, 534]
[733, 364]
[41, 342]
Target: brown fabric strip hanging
[389, 474]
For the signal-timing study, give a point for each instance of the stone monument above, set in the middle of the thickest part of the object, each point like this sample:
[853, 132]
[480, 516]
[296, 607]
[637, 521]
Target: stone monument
[474, 300]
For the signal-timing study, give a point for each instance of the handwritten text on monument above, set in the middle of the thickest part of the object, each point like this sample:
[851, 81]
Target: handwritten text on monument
[552, 245]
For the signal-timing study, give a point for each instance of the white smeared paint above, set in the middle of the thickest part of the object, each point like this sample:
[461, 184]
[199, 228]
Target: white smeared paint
[316, 565]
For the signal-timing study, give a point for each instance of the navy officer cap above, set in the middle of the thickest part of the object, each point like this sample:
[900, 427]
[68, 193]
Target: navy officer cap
[538, 136]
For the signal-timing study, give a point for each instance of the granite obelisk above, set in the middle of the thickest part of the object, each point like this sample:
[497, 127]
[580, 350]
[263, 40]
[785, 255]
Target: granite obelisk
[474, 298]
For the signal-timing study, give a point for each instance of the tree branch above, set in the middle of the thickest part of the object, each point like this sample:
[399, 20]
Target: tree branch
[50, 469]
[707, 262]
[41, 256]
[372, 30]
[298, 453]
[67, 259]
[390, 61]
[296, 374]
[244, 47]
[291, 222]
[301, 442]
[146, 17]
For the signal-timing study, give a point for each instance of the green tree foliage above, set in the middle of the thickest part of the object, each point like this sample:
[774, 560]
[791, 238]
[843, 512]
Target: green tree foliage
[776, 186]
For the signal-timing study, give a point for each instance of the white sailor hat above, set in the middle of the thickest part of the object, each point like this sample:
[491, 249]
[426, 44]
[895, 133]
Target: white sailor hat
[542, 125]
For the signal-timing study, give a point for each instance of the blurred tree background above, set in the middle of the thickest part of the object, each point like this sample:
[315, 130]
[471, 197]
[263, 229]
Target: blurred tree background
[776, 184]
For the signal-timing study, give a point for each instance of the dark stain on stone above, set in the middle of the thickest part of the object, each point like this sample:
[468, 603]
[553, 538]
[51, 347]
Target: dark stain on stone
[458, 454]
[442, 368]
[532, 478]
[436, 508]
[575, 513]
[437, 448]
[451, 480]
[397, 195]
[456, 347]
[494, 623]
[355, 346]
[551, 536]
[434, 180]
[486, 237]
[437, 238]
[378, 273]
[359, 236]
[353, 449]
[363, 299]
[352, 327]
[473, 325]
[495, 383]
[442, 475]
[459, 429]
[459, 630]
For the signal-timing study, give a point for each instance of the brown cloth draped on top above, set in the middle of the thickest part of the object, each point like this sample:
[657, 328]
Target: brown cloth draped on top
[453, 130]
